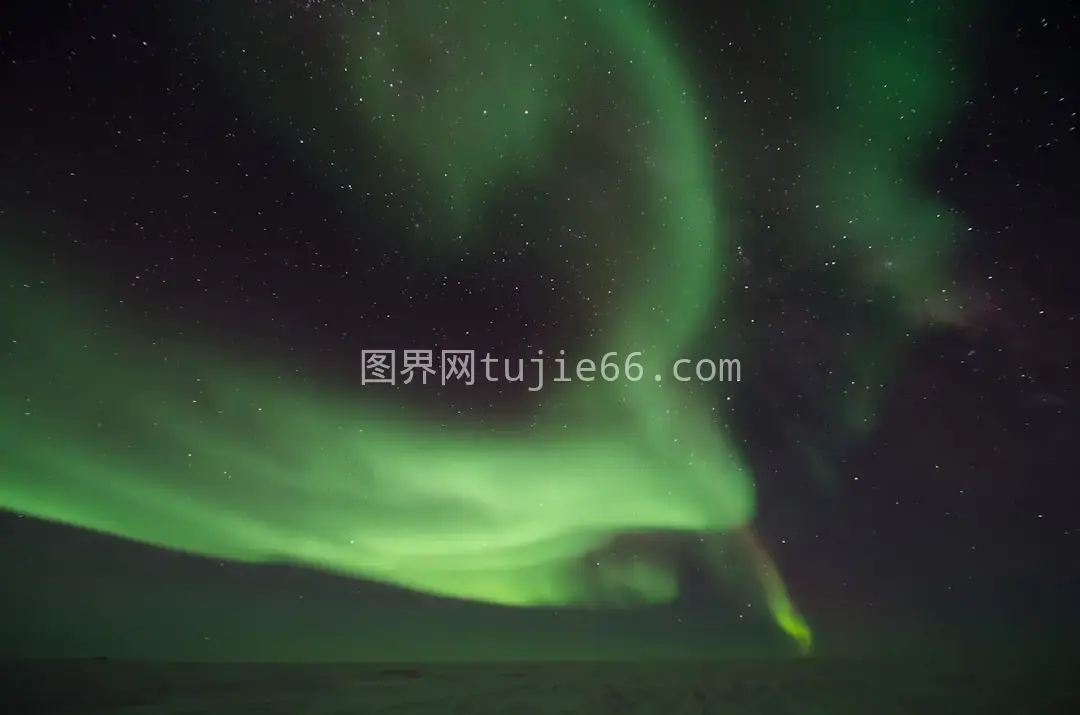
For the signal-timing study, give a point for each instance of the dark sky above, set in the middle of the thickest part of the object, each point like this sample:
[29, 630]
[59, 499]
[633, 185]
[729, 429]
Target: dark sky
[954, 516]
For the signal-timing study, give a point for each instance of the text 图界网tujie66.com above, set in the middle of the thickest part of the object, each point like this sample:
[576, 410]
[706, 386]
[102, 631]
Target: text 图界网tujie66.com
[463, 366]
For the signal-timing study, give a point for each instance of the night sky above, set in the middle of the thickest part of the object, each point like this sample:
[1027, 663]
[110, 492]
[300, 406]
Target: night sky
[210, 211]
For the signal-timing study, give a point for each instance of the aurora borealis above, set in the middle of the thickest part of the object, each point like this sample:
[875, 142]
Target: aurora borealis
[580, 141]
[464, 101]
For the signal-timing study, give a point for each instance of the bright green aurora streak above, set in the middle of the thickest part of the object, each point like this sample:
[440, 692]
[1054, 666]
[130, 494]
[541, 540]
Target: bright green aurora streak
[188, 449]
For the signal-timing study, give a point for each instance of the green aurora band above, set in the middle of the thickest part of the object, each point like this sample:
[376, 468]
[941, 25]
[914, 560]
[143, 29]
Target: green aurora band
[189, 448]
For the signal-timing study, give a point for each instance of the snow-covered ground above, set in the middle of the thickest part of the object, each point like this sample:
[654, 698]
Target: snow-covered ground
[806, 687]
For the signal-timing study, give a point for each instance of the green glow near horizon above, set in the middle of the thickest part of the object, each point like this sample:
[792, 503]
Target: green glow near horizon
[177, 449]
[187, 449]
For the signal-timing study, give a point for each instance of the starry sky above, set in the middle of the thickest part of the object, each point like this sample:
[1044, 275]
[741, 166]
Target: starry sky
[210, 212]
